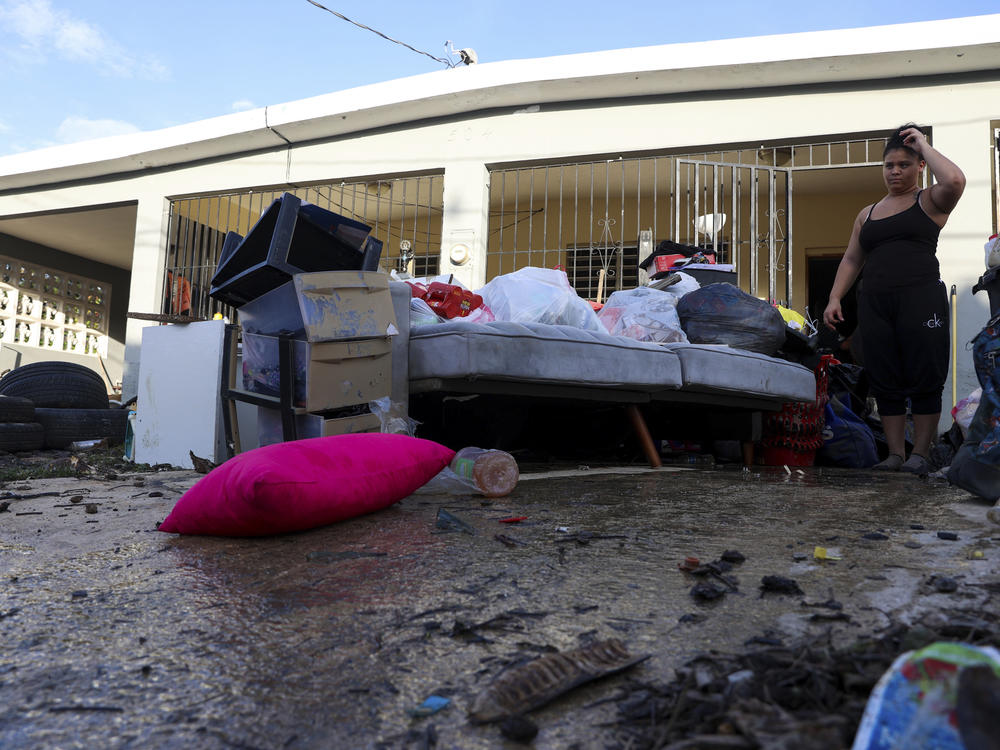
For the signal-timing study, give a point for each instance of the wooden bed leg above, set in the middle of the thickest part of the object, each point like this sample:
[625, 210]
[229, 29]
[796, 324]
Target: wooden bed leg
[642, 432]
[747, 446]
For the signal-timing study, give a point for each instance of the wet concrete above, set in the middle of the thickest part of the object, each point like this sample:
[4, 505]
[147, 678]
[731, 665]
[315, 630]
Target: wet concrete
[116, 635]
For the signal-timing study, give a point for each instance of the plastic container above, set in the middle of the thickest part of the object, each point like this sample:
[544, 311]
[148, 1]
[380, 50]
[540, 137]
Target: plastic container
[493, 472]
[290, 237]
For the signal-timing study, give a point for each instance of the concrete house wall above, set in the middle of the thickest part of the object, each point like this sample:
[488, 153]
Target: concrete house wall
[801, 87]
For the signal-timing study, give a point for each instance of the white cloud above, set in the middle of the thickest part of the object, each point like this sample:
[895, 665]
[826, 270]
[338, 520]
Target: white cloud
[74, 129]
[44, 29]
[242, 105]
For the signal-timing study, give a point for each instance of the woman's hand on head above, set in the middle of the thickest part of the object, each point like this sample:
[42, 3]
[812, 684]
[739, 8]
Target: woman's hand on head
[915, 139]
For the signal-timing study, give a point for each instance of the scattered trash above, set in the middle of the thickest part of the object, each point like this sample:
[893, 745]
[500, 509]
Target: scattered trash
[201, 465]
[392, 416]
[732, 556]
[506, 540]
[523, 688]
[917, 526]
[513, 519]
[706, 592]
[91, 507]
[826, 553]
[562, 529]
[875, 536]
[88, 445]
[586, 537]
[916, 703]
[519, 729]
[944, 584]
[450, 522]
[779, 585]
[491, 473]
[79, 594]
[910, 544]
[828, 604]
[429, 707]
[949, 536]
[689, 564]
[977, 554]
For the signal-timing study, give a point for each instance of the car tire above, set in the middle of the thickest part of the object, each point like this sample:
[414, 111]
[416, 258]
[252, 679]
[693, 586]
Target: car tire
[21, 436]
[56, 385]
[16, 409]
[66, 426]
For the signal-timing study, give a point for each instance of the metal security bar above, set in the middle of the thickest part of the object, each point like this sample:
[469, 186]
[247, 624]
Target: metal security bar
[404, 213]
[586, 216]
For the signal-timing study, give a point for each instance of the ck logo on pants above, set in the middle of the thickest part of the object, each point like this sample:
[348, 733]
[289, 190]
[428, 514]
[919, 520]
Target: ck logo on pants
[934, 322]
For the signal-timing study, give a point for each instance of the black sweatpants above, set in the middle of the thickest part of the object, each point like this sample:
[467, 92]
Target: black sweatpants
[905, 339]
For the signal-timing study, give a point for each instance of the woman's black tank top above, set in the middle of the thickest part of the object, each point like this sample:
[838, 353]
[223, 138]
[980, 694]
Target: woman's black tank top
[900, 249]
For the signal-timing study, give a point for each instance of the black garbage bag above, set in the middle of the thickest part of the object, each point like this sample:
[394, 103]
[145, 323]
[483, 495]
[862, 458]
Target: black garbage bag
[849, 383]
[976, 466]
[967, 469]
[725, 314]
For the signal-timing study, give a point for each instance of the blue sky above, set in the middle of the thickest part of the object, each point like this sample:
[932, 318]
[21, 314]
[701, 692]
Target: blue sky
[71, 71]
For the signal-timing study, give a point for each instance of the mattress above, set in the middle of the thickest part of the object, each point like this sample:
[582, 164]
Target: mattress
[720, 368]
[540, 353]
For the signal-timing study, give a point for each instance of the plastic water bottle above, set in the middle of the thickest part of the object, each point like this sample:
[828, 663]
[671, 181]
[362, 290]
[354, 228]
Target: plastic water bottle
[493, 472]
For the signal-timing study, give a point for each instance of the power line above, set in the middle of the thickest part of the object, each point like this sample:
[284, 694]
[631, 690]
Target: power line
[449, 63]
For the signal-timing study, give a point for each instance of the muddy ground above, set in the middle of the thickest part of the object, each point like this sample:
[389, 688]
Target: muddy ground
[116, 635]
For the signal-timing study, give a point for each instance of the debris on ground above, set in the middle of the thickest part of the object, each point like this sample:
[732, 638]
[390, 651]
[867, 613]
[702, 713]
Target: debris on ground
[526, 687]
[810, 696]
[429, 707]
[447, 521]
[779, 585]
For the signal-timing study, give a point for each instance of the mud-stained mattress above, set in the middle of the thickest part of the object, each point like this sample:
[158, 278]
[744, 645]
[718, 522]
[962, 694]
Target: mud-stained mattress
[719, 368]
[539, 353]
[551, 354]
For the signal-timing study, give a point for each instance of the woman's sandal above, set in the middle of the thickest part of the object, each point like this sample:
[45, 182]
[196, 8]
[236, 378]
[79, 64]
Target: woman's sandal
[893, 462]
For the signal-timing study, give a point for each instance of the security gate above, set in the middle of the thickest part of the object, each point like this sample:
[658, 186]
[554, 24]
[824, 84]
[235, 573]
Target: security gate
[743, 214]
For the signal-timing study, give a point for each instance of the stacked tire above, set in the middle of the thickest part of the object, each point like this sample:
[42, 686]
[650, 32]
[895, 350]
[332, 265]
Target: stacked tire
[18, 429]
[70, 403]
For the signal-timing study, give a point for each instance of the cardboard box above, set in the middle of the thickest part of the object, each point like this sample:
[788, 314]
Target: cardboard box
[269, 429]
[325, 375]
[345, 305]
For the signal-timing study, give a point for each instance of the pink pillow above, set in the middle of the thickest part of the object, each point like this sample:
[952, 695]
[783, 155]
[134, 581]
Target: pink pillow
[306, 483]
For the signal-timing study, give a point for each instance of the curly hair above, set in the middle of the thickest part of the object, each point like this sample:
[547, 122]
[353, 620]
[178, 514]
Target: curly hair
[895, 140]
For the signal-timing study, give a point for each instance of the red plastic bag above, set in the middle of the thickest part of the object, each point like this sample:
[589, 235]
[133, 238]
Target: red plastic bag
[451, 300]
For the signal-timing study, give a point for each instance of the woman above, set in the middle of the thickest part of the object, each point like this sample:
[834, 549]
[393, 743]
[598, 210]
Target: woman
[902, 302]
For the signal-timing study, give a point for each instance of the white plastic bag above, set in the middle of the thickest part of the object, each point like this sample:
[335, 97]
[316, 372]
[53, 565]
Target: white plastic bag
[686, 283]
[421, 314]
[643, 314]
[992, 250]
[965, 409]
[393, 417]
[538, 295]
